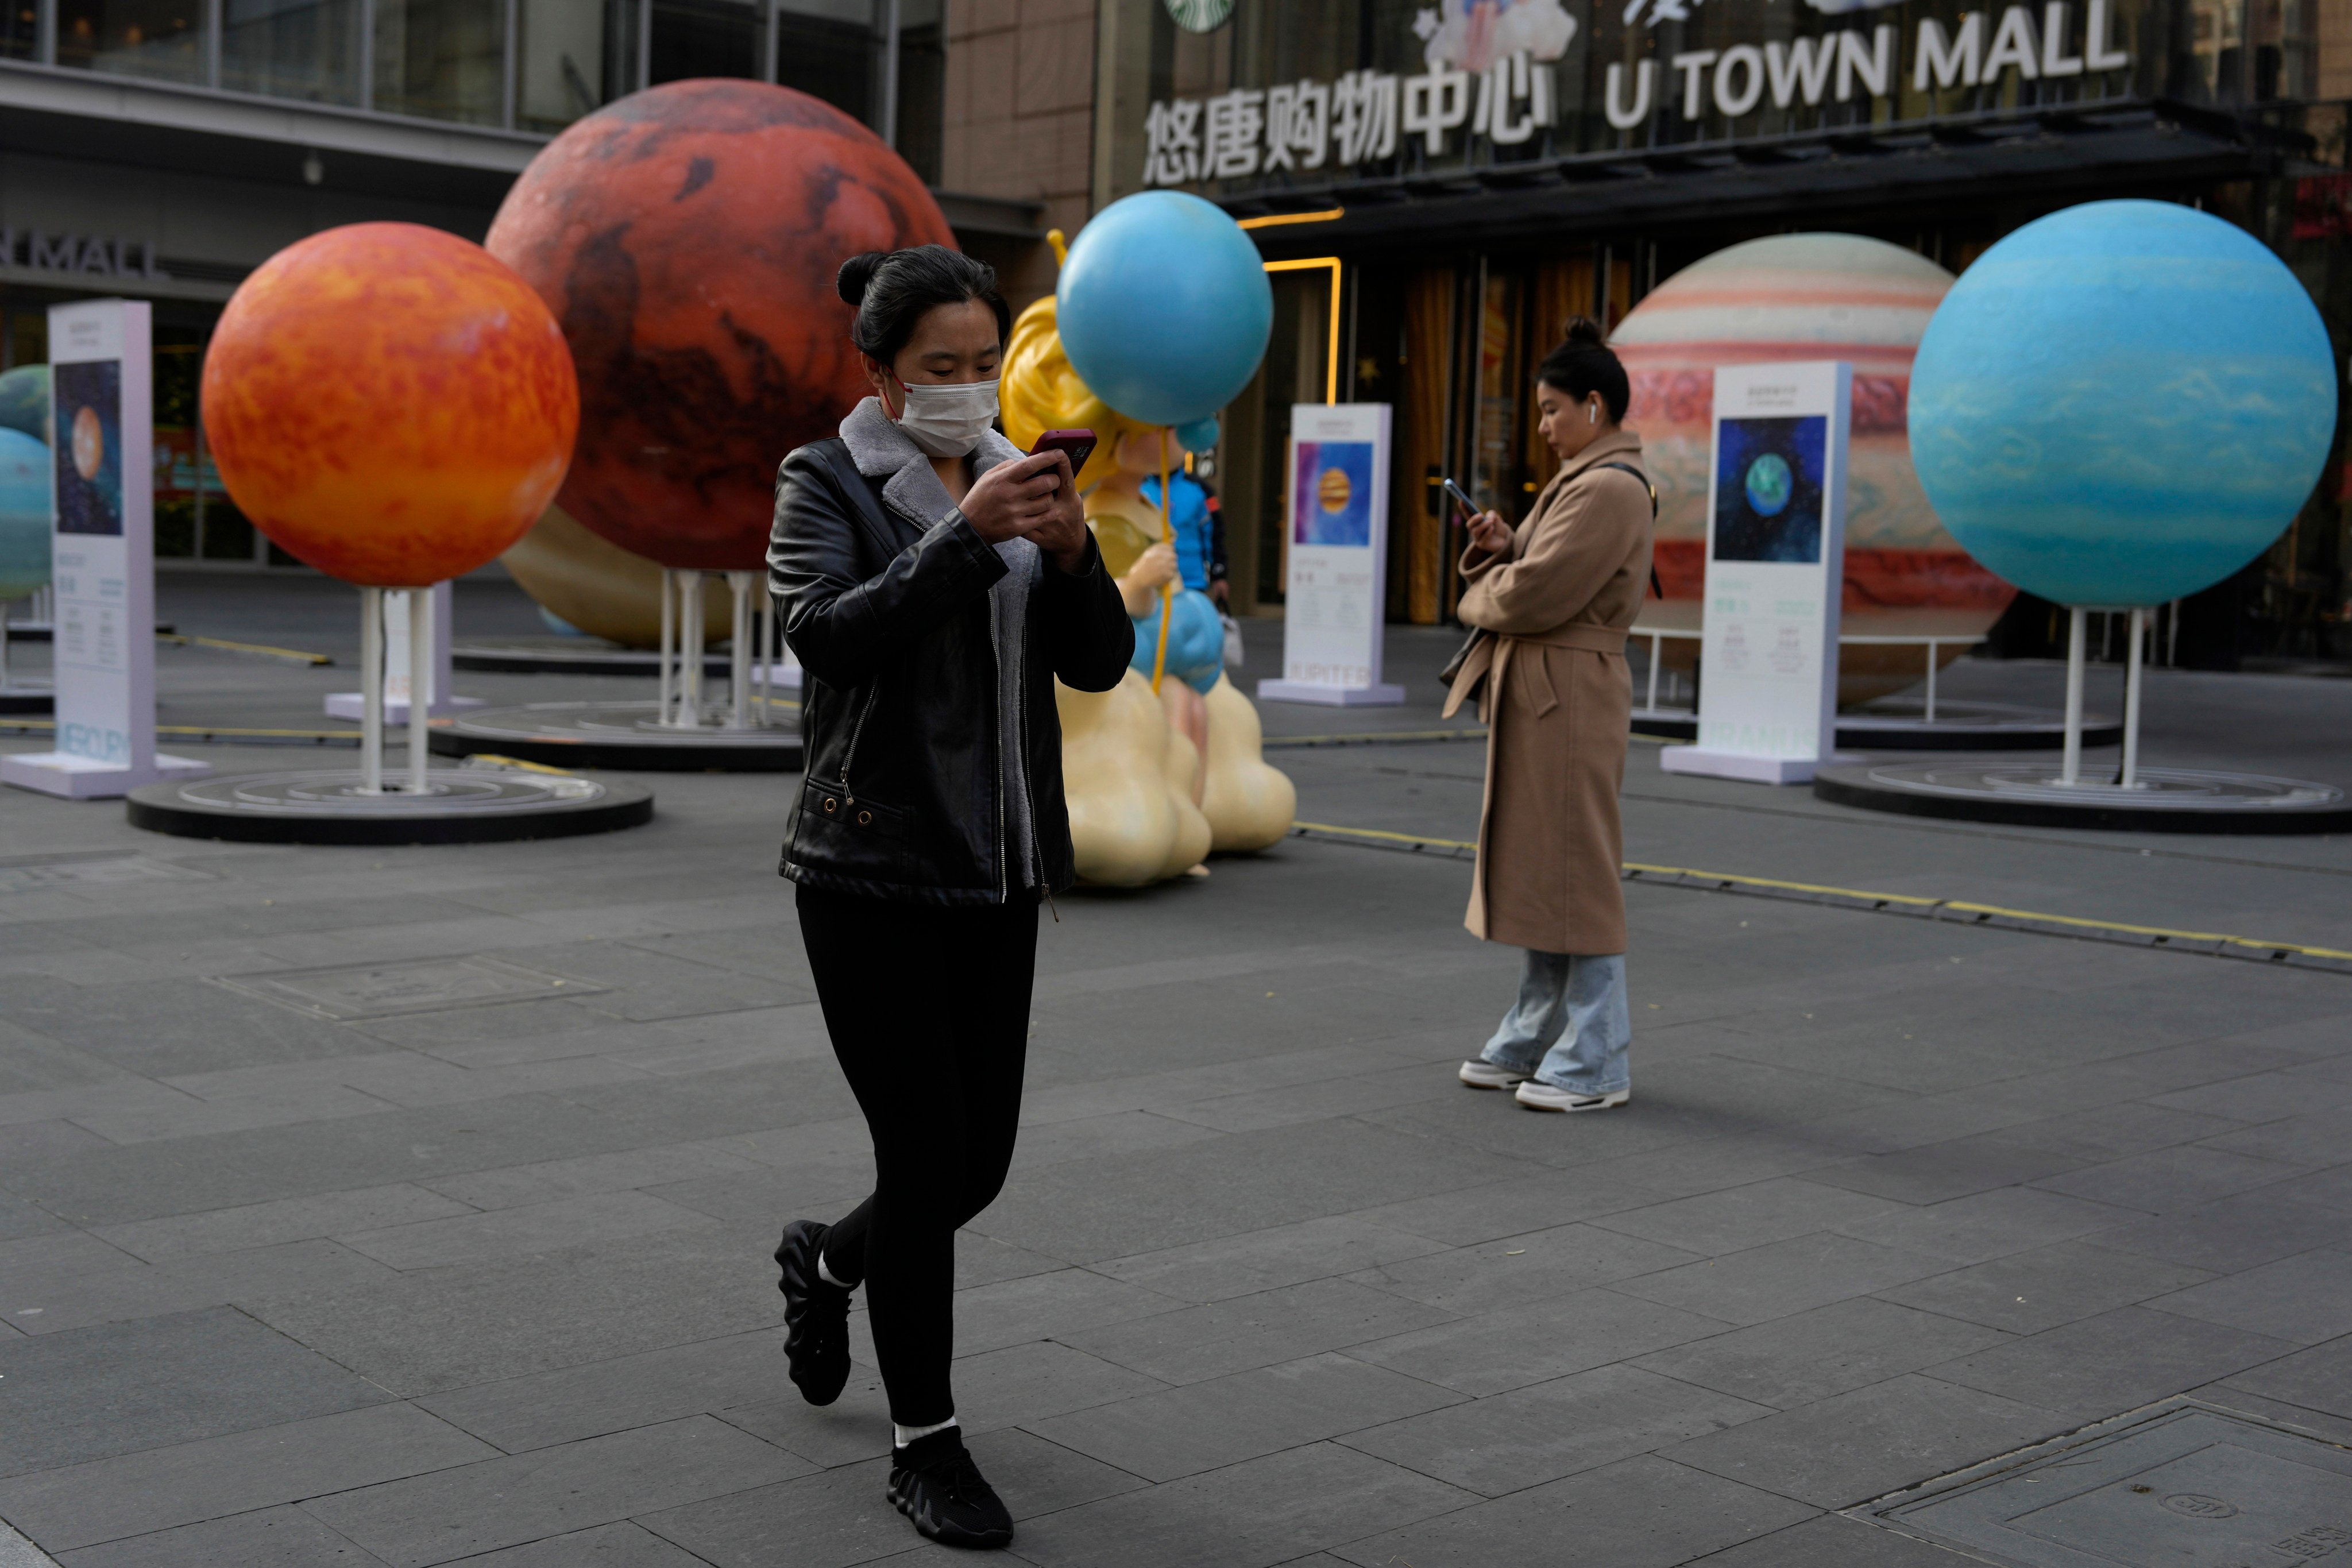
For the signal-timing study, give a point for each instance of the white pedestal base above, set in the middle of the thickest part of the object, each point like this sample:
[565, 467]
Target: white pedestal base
[1382, 696]
[80, 778]
[352, 705]
[1738, 765]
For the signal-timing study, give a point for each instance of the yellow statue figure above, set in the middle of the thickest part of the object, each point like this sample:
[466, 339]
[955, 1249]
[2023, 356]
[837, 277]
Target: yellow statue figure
[1154, 783]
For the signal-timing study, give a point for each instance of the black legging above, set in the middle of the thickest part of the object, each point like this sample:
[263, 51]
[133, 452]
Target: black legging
[929, 1011]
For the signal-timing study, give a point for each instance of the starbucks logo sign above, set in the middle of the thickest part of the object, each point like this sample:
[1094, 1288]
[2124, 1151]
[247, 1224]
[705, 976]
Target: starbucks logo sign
[1200, 15]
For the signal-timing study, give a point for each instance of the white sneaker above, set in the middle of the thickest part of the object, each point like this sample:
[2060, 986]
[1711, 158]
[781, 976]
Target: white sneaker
[1486, 1075]
[1548, 1097]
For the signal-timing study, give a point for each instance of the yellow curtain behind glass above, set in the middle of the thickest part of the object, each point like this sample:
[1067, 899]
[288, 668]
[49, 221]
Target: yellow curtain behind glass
[1421, 438]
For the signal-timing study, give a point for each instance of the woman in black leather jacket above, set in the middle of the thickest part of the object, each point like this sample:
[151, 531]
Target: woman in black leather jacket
[934, 582]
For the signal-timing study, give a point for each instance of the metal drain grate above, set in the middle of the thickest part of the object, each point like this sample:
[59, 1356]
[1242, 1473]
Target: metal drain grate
[2183, 1485]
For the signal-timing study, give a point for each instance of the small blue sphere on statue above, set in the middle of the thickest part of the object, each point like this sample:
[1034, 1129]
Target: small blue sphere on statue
[1163, 307]
[2122, 402]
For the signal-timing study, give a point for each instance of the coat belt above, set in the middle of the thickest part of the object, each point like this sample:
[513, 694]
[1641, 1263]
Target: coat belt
[1582, 635]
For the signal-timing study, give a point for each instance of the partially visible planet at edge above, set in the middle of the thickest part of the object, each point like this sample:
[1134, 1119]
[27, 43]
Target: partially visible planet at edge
[2123, 402]
[1770, 484]
[25, 526]
[686, 238]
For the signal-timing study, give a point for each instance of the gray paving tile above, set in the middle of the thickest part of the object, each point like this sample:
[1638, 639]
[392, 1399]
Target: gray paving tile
[52, 1302]
[509, 1501]
[1738, 1218]
[1832, 1540]
[1936, 1173]
[1515, 1346]
[186, 1483]
[2261, 1097]
[1853, 1447]
[621, 1546]
[2319, 1378]
[2321, 1139]
[854, 1427]
[502, 1234]
[269, 1538]
[1250, 1515]
[439, 1330]
[1063, 1303]
[1642, 1512]
[1830, 1350]
[1793, 1276]
[1991, 1225]
[92, 1393]
[2306, 1299]
[1704, 1166]
[546, 1408]
[2170, 1180]
[1193, 1343]
[164, 1027]
[1539, 1201]
[1118, 1132]
[840, 1517]
[1538, 1434]
[1022, 1384]
[2027, 1292]
[286, 1219]
[2238, 1233]
[1221, 1421]
[2116, 1360]
[1517, 1270]
[1267, 1259]
[2115, 1132]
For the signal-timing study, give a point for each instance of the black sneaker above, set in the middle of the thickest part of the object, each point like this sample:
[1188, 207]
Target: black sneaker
[816, 1316]
[934, 1483]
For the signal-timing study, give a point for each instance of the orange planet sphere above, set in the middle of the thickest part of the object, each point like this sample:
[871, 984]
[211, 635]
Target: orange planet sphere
[688, 238]
[390, 404]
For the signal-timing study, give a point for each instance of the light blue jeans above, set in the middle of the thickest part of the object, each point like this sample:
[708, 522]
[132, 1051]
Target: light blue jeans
[1572, 1026]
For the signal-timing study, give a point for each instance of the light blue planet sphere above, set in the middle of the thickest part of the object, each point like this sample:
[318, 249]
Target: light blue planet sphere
[1770, 484]
[24, 514]
[2122, 402]
[1163, 307]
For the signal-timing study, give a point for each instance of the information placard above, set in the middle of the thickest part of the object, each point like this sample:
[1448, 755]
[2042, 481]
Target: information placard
[1335, 592]
[102, 539]
[1775, 572]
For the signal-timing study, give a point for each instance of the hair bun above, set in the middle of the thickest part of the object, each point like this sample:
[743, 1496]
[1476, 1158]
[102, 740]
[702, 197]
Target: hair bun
[1582, 332]
[856, 273]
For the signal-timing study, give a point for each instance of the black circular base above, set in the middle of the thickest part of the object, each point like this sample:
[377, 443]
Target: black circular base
[2025, 793]
[468, 806]
[24, 697]
[614, 735]
[1904, 727]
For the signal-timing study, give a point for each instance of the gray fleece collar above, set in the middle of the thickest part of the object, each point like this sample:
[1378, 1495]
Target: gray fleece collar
[878, 447]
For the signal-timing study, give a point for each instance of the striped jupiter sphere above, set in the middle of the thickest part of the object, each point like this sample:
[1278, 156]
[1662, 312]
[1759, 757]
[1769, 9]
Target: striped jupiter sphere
[1809, 297]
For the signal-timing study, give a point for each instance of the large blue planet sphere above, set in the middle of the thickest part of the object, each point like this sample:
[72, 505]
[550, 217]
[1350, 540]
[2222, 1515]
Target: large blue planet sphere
[2122, 402]
[1163, 307]
[24, 514]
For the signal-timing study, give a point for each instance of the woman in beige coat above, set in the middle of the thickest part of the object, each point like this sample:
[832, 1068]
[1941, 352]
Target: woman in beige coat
[1558, 594]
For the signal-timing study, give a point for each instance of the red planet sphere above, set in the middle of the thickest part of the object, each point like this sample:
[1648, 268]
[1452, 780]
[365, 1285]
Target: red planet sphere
[688, 238]
[389, 404]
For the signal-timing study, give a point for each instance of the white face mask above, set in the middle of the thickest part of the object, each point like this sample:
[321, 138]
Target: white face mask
[947, 421]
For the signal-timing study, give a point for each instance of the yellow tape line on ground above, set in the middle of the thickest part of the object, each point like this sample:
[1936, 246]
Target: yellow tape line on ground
[1910, 900]
[297, 655]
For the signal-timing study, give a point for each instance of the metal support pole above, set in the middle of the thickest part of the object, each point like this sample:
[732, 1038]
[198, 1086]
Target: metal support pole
[1656, 642]
[371, 691]
[669, 636]
[2071, 773]
[4, 643]
[1931, 680]
[420, 687]
[740, 647]
[2131, 699]
[689, 651]
[768, 656]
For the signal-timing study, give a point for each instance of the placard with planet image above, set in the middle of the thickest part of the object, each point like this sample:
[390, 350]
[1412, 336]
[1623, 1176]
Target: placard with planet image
[1333, 503]
[1768, 489]
[89, 455]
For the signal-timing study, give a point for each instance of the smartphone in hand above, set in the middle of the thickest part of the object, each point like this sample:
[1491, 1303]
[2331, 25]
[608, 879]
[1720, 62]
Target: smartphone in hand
[1079, 444]
[1461, 498]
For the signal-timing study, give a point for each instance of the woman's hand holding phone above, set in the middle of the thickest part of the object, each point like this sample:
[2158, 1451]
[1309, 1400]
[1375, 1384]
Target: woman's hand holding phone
[1490, 534]
[1031, 498]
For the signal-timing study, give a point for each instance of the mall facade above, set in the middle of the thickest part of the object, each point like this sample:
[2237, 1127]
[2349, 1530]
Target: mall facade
[1443, 183]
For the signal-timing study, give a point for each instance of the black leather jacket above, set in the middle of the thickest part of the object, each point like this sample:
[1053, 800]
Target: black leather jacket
[895, 616]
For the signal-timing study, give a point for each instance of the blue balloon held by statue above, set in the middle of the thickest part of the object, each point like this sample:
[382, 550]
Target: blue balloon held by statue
[2122, 402]
[1163, 307]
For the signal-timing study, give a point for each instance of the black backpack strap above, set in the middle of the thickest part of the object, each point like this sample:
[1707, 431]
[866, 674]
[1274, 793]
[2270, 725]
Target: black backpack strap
[1653, 488]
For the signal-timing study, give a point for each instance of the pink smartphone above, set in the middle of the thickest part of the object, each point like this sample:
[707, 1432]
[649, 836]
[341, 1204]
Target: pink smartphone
[1079, 444]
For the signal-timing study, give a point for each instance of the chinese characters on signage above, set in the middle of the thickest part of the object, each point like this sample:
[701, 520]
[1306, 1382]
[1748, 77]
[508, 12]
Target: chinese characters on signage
[1503, 98]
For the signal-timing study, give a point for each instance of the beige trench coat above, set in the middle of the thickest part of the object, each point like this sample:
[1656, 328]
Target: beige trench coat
[1558, 699]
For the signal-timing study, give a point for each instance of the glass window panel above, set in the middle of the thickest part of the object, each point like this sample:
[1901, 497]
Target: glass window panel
[922, 96]
[163, 39]
[292, 49]
[829, 51]
[703, 38]
[442, 59]
[577, 57]
[20, 29]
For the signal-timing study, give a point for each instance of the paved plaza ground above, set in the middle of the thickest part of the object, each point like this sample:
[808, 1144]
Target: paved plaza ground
[290, 1276]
